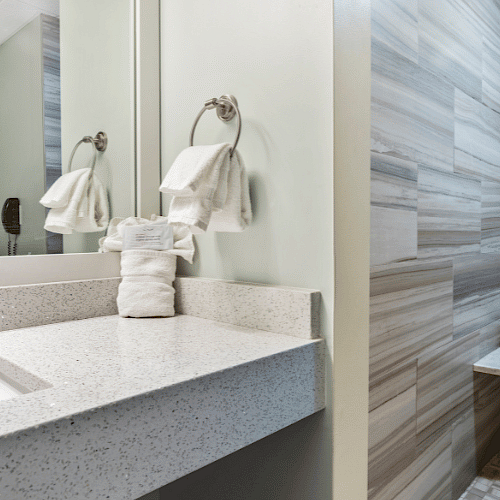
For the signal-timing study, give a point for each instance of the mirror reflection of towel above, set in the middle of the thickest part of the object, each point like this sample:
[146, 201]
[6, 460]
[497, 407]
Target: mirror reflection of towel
[77, 202]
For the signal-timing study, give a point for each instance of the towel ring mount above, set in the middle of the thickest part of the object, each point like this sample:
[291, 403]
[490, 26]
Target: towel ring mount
[226, 107]
[100, 143]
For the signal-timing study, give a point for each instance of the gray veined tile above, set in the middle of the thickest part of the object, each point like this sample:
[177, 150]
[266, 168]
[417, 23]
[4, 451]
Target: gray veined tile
[491, 72]
[412, 110]
[463, 453]
[449, 213]
[490, 339]
[445, 385]
[393, 209]
[392, 439]
[450, 43]
[395, 23]
[477, 132]
[490, 217]
[472, 166]
[427, 477]
[476, 292]
[410, 312]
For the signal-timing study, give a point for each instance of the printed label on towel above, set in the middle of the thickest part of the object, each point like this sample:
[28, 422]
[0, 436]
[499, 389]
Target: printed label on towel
[148, 236]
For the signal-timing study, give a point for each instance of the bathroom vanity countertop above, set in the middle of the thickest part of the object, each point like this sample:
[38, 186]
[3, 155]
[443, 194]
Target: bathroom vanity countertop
[100, 361]
[489, 364]
[134, 404]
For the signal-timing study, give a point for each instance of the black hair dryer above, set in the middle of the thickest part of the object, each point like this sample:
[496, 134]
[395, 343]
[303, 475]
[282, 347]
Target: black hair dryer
[11, 220]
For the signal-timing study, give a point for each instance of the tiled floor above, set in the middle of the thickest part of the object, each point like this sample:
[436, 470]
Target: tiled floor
[487, 485]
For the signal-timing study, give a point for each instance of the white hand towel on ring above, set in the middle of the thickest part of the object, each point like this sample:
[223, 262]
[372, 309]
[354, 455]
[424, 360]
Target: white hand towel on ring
[210, 190]
[76, 203]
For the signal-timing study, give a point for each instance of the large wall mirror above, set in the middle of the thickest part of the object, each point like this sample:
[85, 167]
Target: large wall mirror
[70, 69]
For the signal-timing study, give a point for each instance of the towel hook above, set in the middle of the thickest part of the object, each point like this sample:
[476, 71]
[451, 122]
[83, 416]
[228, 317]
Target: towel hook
[100, 143]
[227, 108]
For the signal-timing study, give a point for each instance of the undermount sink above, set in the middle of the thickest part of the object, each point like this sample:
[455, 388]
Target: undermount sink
[15, 381]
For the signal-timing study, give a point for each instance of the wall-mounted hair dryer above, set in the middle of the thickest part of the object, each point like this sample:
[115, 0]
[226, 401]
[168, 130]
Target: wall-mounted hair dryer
[11, 220]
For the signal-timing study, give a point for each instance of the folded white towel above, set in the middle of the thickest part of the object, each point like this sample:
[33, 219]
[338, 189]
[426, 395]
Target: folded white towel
[77, 202]
[210, 190]
[113, 241]
[146, 288]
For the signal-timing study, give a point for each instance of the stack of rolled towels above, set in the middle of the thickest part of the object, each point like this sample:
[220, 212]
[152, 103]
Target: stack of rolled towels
[146, 288]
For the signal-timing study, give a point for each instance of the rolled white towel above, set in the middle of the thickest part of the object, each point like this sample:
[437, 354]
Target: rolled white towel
[146, 289]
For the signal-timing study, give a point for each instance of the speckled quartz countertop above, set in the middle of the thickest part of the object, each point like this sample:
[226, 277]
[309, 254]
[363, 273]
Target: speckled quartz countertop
[489, 364]
[128, 405]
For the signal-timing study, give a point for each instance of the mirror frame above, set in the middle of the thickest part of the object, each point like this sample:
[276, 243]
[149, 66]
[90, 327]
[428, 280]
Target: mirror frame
[27, 269]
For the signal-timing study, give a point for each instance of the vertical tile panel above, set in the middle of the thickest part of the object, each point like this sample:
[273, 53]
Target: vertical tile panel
[477, 130]
[52, 113]
[490, 217]
[463, 470]
[450, 43]
[445, 385]
[395, 23]
[449, 213]
[412, 110]
[410, 312]
[392, 439]
[476, 292]
[491, 72]
[393, 209]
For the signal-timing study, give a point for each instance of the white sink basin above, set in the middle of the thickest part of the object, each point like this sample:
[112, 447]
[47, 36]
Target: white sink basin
[10, 388]
[15, 381]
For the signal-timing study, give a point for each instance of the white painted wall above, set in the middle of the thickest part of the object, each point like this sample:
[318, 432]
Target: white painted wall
[277, 59]
[22, 156]
[97, 93]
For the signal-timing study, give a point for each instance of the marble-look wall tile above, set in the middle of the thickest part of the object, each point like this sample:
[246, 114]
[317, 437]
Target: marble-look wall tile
[477, 130]
[445, 385]
[463, 470]
[395, 23]
[476, 292]
[474, 167]
[428, 476]
[489, 340]
[393, 209]
[410, 312]
[450, 43]
[490, 217]
[412, 110]
[449, 213]
[491, 72]
[392, 439]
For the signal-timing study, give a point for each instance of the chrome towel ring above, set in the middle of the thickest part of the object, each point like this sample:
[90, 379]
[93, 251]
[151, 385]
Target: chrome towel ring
[100, 143]
[227, 107]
